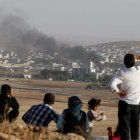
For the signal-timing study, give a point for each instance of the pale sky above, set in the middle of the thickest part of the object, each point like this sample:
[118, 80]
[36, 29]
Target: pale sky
[80, 21]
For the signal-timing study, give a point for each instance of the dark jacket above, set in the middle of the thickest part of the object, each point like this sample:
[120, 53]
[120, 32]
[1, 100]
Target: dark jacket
[5, 104]
[73, 125]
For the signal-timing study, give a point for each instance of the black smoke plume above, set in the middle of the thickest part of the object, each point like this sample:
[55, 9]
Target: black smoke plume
[17, 35]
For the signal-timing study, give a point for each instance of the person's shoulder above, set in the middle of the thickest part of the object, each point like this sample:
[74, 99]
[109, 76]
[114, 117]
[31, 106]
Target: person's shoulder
[89, 111]
[9, 100]
[36, 106]
[66, 110]
[121, 72]
[48, 107]
[83, 112]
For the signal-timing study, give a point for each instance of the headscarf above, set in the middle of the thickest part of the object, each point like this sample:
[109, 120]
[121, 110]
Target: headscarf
[74, 106]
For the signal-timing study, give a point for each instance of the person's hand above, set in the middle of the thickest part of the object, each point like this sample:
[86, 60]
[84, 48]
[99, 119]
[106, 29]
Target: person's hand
[122, 93]
[136, 57]
[11, 94]
[111, 129]
[102, 113]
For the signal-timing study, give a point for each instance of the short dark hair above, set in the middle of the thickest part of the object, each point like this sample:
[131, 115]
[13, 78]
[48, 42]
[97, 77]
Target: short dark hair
[49, 98]
[93, 102]
[5, 89]
[129, 60]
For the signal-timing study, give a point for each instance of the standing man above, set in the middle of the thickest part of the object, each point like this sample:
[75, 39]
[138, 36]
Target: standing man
[128, 111]
[42, 114]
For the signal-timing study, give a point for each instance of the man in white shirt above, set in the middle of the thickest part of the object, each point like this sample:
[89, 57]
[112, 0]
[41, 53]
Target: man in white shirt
[128, 112]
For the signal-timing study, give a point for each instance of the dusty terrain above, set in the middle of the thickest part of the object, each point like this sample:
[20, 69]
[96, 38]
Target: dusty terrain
[30, 92]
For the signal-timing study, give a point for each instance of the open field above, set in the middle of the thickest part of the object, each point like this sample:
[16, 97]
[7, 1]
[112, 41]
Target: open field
[29, 92]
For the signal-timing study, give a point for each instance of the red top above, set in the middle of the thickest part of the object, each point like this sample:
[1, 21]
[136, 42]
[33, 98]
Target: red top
[116, 136]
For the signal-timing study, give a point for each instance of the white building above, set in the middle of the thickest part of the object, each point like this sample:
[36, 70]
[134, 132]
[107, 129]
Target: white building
[1, 55]
[62, 68]
[55, 65]
[27, 76]
[6, 56]
[106, 59]
[74, 65]
[18, 60]
[91, 66]
[12, 53]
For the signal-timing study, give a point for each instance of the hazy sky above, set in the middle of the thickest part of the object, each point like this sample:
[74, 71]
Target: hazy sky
[80, 21]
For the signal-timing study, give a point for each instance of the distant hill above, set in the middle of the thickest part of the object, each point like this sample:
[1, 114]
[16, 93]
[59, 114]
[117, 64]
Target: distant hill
[126, 45]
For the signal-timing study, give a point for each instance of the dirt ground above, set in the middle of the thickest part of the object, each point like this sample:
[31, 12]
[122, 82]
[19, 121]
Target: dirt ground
[30, 92]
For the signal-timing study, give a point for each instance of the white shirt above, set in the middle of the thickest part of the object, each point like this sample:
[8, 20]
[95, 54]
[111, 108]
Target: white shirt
[129, 79]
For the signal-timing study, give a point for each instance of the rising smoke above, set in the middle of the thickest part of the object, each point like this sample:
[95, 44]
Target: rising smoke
[16, 35]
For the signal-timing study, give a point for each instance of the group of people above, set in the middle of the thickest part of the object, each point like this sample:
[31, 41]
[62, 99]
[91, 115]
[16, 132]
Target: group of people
[73, 119]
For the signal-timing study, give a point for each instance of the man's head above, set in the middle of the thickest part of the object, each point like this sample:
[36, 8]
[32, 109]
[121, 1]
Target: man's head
[129, 60]
[49, 98]
[5, 90]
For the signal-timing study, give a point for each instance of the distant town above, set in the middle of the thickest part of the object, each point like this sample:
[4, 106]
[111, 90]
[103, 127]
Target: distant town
[104, 61]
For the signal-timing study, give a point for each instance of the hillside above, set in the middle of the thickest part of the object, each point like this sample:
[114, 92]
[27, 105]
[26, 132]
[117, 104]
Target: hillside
[124, 45]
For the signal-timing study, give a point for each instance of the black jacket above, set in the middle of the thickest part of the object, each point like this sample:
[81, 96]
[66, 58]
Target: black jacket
[73, 125]
[5, 104]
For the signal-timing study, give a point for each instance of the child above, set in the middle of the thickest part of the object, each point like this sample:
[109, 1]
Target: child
[93, 105]
[113, 135]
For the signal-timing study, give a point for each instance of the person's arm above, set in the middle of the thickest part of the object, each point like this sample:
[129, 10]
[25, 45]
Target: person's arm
[87, 122]
[26, 115]
[122, 93]
[60, 121]
[96, 117]
[113, 84]
[55, 116]
[99, 118]
[13, 102]
[136, 57]
[115, 81]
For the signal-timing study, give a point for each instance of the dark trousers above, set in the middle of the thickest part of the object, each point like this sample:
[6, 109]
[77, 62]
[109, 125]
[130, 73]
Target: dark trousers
[12, 115]
[128, 121]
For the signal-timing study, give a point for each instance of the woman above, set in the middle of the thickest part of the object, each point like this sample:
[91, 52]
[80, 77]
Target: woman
[73, 119]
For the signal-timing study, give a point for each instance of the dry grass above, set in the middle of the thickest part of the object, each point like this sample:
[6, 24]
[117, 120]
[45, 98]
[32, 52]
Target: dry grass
[18, 132]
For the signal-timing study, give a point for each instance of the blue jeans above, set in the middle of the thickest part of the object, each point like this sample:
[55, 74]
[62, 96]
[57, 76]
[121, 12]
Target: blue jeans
[128, 120]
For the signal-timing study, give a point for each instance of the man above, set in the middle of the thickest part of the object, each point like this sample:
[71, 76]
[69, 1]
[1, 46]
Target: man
[8, 102]
[42, 114]
[128, 111]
